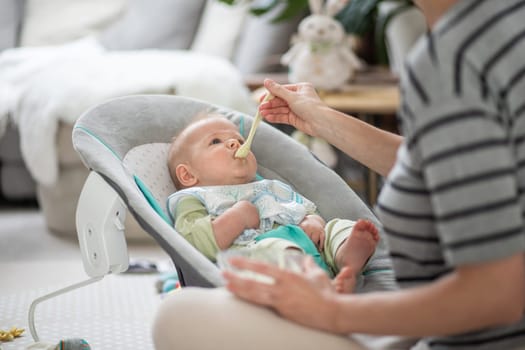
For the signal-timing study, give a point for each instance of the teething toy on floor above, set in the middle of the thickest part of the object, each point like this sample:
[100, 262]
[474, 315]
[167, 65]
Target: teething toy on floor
[10, 334]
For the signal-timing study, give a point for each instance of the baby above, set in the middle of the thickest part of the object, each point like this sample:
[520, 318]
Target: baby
[220, 204]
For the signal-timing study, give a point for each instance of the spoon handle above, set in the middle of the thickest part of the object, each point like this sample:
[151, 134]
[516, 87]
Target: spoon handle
[243, 151]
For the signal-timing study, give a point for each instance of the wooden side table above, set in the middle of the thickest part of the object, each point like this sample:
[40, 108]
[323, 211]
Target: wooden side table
[380, 99]
[372, 96]
[373, 103]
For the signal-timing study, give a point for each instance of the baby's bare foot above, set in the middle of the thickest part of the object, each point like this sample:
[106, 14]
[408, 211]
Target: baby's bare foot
[353, 254]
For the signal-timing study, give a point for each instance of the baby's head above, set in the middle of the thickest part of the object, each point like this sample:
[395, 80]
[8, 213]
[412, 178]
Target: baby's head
[203, 154]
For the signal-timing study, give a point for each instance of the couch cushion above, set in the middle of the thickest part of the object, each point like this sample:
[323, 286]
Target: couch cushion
[53, 22]
[10, 19]
[10, 145]
[162, 24]
[15, 182]
[220, 28]
[262, 42]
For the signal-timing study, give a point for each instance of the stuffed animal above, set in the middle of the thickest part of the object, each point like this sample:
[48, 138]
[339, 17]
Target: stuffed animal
[321, 51]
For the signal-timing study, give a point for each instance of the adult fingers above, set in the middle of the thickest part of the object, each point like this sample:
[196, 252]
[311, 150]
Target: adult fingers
[249, 289]
[256, 266]
[284, 92]
[314, 273]
[310, 267]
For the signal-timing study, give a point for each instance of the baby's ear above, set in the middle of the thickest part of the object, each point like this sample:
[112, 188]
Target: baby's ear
[185, 176]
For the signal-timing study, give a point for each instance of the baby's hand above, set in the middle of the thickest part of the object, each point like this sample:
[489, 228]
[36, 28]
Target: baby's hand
[230, 224]
[313, 226]
[249, 214]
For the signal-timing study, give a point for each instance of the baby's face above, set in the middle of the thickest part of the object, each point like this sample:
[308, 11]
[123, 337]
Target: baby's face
[212, 144]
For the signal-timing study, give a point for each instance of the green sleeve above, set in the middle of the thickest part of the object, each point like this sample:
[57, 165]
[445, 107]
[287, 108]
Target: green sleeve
[193, 222]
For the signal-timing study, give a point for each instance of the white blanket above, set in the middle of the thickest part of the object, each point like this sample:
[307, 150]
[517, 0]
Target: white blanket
[41, 86]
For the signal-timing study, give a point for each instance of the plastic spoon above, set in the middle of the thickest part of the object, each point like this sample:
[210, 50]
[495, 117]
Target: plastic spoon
[243, 151]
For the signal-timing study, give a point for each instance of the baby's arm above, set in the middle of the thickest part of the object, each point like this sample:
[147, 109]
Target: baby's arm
[196, 225]
[229, 225]
[193, 222]
[313, 226]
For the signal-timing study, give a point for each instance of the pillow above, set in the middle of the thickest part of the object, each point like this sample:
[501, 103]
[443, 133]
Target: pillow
[148, 164]
[219, 28]
[53, 22]
[162, 24]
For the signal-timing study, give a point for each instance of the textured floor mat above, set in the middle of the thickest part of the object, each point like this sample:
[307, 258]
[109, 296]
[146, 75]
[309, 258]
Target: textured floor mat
[115, 313]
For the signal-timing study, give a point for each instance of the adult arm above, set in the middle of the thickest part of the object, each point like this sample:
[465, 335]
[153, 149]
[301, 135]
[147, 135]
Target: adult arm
[470, 298]
[300, 106]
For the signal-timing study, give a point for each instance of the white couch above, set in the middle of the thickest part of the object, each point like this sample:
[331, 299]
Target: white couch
[121, 27]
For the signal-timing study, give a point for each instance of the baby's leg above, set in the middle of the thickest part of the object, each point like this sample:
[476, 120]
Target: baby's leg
[353, 253]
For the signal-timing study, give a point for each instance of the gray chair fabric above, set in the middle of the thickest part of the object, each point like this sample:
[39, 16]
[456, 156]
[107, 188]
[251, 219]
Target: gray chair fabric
[105, 134]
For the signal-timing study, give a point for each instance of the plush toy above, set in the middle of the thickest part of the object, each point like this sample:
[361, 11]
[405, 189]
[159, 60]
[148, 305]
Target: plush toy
[321, 51]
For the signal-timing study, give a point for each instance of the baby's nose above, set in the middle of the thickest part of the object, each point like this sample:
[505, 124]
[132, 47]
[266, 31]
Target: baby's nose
[233, 143]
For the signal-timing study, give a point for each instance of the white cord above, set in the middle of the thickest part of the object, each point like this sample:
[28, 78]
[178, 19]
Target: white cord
[37, 301]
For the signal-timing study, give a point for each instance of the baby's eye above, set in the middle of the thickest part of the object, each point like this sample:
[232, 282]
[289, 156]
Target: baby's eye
[215, 141]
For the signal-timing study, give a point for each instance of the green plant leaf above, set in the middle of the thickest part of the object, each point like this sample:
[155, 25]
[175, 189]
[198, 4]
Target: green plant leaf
[261, 10]
[358, 17]
[293, 8]
[228, 2]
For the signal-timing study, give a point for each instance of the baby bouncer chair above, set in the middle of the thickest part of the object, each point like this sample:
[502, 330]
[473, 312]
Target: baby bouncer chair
[124, 142]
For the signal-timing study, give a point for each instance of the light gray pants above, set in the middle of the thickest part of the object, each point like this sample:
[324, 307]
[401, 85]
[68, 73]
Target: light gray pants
[198, 318]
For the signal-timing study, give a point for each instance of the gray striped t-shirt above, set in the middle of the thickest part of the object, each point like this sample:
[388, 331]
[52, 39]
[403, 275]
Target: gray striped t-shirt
[457, 192]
